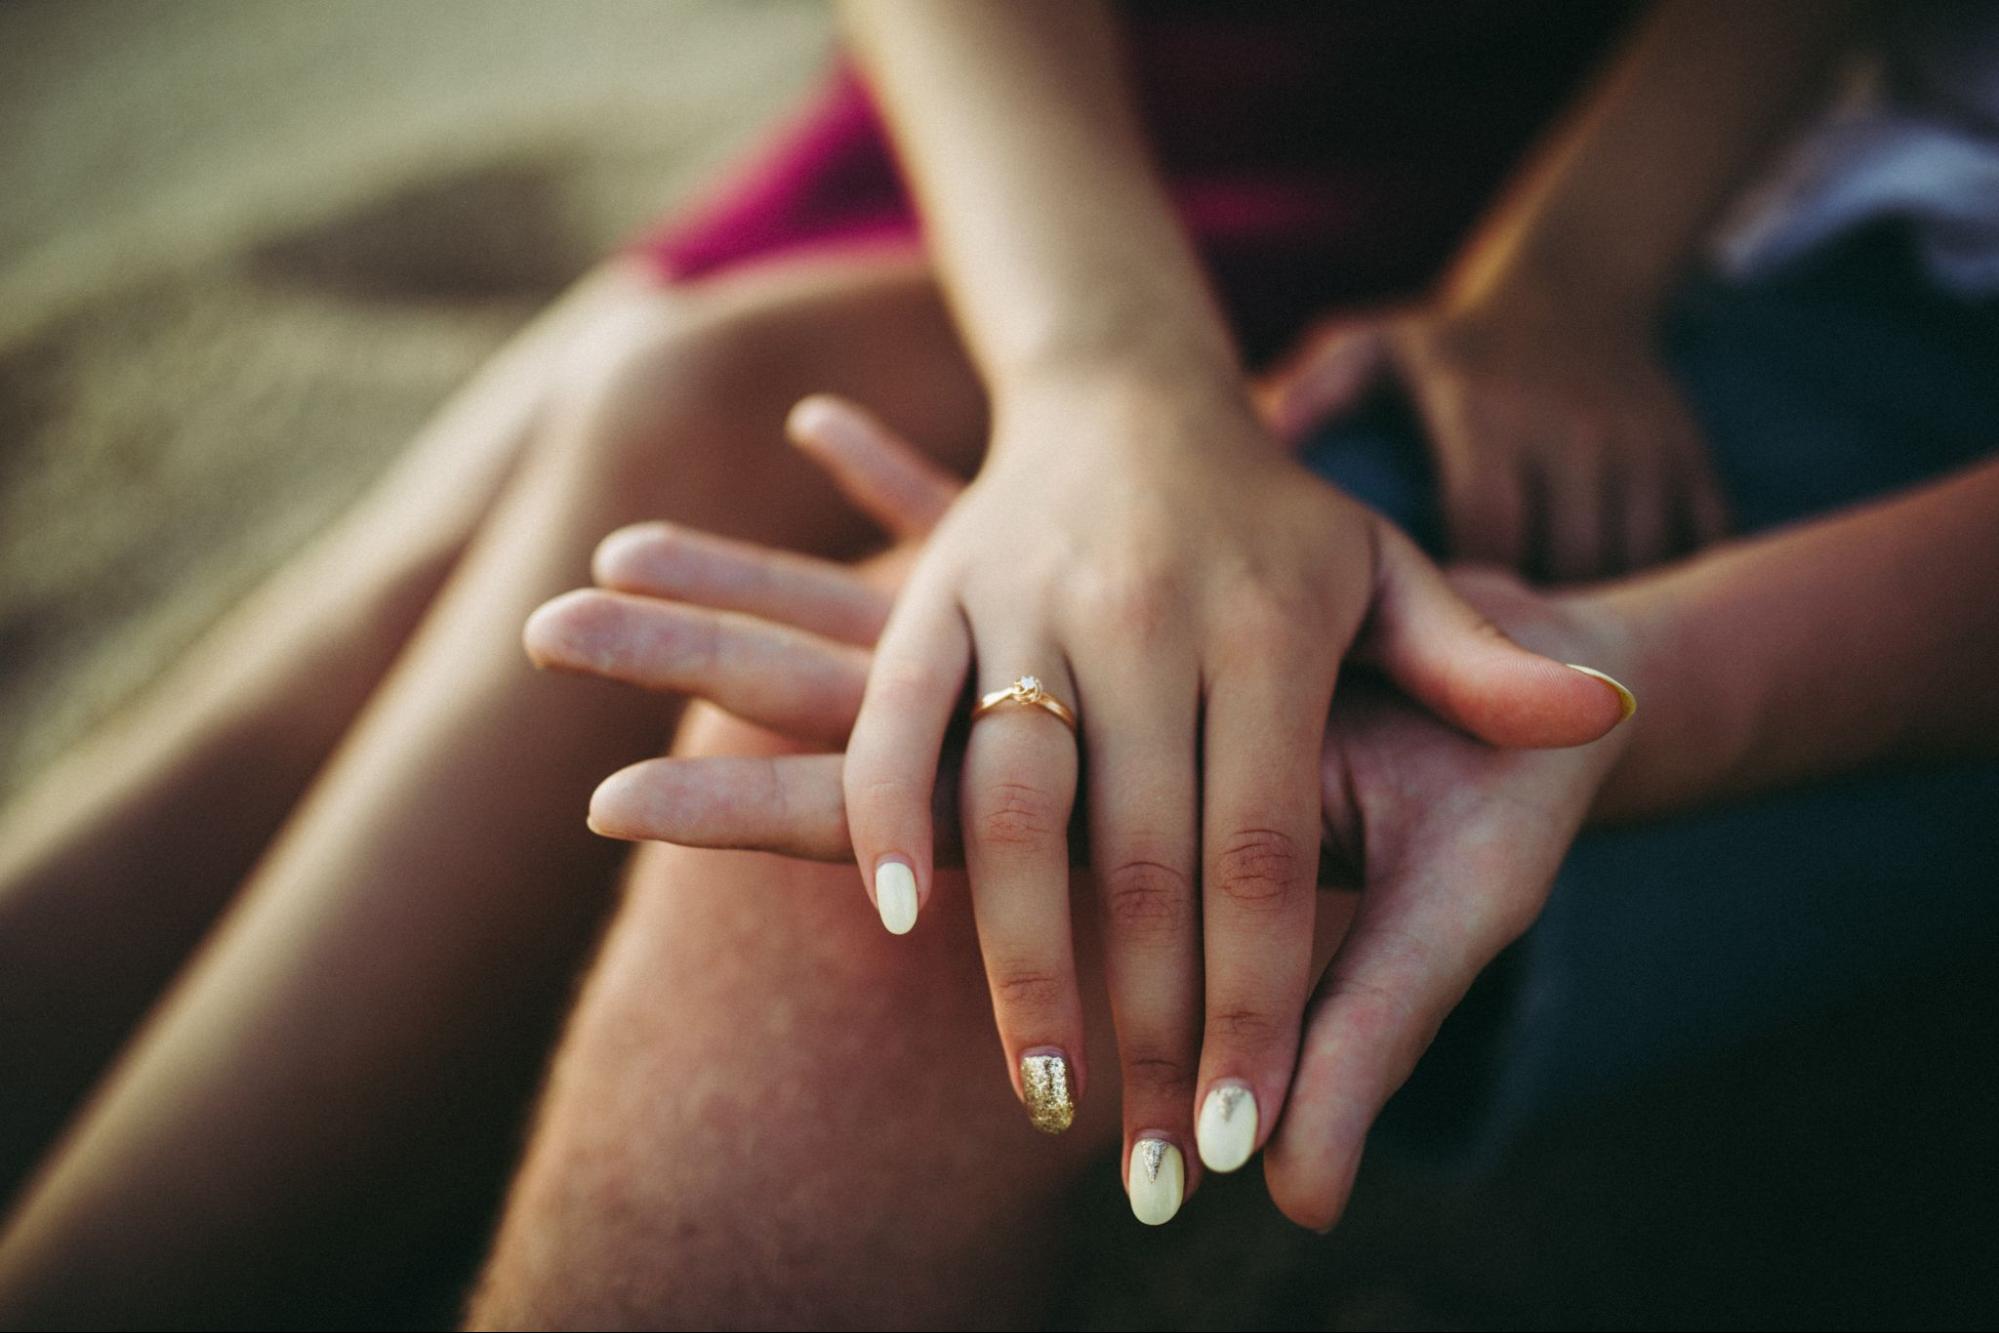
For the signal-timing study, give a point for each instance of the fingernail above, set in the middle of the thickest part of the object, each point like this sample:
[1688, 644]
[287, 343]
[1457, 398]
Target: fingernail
[1157, 1181]
[1226, 1131]
[895, 896]
[1044, 1085]
[1627, 701]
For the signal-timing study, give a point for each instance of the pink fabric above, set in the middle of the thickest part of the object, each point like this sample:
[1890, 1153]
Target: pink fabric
[1318, 152]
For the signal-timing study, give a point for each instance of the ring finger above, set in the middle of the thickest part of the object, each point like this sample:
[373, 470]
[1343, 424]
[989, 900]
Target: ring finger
[1017, 791]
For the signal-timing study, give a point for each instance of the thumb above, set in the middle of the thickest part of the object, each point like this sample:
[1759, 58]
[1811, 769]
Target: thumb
[1331, 374]
[890, 479]
[1442, 653]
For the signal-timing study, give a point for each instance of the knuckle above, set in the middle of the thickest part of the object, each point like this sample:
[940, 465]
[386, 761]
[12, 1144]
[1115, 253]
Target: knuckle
[1023, 986]
[1244, 1026]
[900, 686]
[1016, 814]
[1159, 1072]
[1384, 1018]
[1147, 897]
[1371, 1009]
[877, 795]
[1140, 604]
[1266, 617]
[1259, 868]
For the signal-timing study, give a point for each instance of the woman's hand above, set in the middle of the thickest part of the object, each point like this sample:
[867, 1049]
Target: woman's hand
[1190, 592]
[1562, 446]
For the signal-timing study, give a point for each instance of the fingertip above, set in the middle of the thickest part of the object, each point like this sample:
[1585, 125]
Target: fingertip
[1627, 702]
[815, 420]
[610, 814]
[621, 556]
[549, 627]
[1317, 1209]
[1535, 702]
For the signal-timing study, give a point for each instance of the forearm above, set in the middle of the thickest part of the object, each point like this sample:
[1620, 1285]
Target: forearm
[1609, 208]
[1053, 237]
[1862, 638]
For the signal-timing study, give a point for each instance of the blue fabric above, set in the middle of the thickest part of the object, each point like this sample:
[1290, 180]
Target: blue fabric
[1841, 379]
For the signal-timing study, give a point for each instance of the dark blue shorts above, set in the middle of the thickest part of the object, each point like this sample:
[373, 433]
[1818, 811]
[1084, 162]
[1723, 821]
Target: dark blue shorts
[1844, 378]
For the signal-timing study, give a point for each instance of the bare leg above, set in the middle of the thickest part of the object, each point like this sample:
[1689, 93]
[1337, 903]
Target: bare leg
[328, 1085]
[118, 860]
[770, 1113]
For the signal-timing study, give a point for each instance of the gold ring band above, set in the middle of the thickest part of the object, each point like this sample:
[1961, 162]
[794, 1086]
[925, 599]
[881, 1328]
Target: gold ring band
[1027, 690]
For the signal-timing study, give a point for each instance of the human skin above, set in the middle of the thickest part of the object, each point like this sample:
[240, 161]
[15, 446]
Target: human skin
[1453, 843]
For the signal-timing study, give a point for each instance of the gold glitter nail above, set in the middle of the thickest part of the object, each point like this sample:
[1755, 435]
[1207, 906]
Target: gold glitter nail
[1044, 1081]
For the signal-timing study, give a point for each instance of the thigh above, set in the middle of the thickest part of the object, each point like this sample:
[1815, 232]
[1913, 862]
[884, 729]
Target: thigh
[380, 994]
[768, 1111]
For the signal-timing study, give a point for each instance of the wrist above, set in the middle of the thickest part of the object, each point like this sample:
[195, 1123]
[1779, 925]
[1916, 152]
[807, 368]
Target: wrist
[1538, 283]
[1135, 372]
[1113, 402]
[1694, 725]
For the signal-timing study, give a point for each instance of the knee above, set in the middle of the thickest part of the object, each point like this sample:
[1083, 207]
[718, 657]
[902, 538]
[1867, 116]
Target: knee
[654, 364]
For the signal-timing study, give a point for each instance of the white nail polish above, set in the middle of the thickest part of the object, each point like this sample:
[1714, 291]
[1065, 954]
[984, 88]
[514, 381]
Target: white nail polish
[1226, 1132]
[895, 896]
[1157, 1181]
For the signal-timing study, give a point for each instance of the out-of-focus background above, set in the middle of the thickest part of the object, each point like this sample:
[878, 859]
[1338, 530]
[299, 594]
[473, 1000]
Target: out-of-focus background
[246, 248]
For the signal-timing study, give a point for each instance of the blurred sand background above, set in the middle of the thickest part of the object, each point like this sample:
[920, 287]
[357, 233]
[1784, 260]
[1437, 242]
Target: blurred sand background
[246, 248]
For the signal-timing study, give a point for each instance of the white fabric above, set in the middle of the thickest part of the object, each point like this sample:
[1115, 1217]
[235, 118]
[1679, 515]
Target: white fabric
[1915, 137]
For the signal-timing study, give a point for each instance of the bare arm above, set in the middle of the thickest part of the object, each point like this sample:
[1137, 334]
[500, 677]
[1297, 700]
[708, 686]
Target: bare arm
[1050, 230]
[1609, 210]
[1867, 637]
